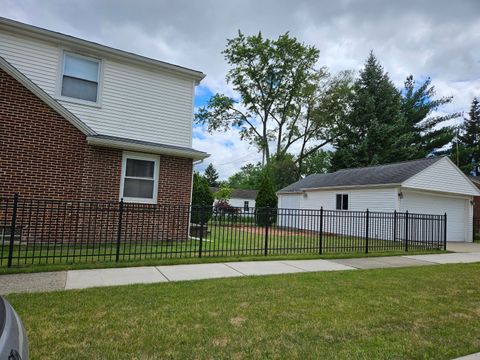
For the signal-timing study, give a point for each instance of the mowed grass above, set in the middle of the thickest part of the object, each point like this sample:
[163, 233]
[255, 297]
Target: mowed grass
[221, 242]
[411, 313]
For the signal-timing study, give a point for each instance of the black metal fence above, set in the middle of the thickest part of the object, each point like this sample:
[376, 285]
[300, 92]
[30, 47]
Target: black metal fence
[476, 229]
[41, 231]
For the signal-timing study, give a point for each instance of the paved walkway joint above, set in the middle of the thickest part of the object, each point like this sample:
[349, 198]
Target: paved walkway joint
[81, 279]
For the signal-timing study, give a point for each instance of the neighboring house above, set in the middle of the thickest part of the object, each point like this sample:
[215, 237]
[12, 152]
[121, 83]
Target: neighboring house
[80, 120]
[425, 186]
[241, 198]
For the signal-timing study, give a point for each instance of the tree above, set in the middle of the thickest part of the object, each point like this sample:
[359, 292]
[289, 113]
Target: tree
[277, 84]
[265, 201]
[317, 163]
[202, 200]
[248, 177]
[211, 175]
[467, 145]
[281, 170]
[417, 107]
[224, 193]
[372, 132]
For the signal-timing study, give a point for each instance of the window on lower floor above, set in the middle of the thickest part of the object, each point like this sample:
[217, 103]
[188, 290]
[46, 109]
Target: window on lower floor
[342, 202]
[139, 178]
[246, 206]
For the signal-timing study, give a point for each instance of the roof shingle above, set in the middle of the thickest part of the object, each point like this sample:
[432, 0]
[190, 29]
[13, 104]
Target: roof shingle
[395, 173]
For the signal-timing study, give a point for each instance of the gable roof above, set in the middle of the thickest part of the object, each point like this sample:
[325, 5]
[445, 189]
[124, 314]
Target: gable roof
[389, 174]
[92, 137]
[249, 194]
[46, 98]
[34, 31]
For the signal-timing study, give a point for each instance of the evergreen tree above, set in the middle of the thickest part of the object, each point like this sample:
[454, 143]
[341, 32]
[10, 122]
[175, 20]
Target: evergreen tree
[467, 147]
[281, 170]
[427, 138]
[202, 199]
[211, 175]
[265, 201]
[373, 131]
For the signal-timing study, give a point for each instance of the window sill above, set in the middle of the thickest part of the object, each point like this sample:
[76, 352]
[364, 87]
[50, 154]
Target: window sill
[97, 105]
[140, 201]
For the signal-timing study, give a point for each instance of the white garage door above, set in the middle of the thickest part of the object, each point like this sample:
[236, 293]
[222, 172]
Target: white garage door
[457, 210]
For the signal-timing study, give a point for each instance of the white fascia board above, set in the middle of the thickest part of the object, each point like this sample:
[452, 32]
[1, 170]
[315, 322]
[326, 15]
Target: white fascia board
[144, 148]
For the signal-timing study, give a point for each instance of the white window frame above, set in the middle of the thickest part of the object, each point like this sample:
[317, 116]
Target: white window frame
[341, 202]
[146, 157]
[60, 71]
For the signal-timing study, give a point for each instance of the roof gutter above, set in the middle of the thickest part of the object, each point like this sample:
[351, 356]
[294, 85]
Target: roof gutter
[326, 188]
[147, 148]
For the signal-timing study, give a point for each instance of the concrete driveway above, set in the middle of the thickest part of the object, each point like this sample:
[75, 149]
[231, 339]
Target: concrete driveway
[463, 247]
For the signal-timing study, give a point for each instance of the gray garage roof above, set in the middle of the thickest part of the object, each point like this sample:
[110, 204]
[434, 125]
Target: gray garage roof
[395, 173]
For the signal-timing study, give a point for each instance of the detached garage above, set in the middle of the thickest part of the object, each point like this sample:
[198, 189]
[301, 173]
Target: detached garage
[425, 186]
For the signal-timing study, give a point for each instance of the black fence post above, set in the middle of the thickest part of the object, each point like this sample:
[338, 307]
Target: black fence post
[406, 230]
[267, 220]
[321, 231]
[445, 232]
[201, 233]
[395, 226]
[366, 230]
[119, 230]
[12, 229]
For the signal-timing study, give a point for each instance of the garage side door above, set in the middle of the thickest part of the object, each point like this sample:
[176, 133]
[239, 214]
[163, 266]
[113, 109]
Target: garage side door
[456, 209]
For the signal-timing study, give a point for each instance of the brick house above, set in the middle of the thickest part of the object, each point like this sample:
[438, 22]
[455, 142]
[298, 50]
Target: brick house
[83, 121]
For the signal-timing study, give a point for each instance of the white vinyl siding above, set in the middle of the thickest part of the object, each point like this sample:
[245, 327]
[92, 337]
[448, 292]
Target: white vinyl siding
[458, 209]
[442, 176]
[137, 103]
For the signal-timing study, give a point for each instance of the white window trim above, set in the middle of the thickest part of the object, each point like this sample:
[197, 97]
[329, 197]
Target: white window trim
[140, 156]
[61, 67]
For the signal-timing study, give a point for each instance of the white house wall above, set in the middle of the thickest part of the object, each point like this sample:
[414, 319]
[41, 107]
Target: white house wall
[459, 211]
[136, 102]
[442, 176]
[340, 222]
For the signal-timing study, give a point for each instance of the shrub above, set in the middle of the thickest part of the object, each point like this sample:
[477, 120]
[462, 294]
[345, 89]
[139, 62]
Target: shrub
[266, 201]
[202, 200]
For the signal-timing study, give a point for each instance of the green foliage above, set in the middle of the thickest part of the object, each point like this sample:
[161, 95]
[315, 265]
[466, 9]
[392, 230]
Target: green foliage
[224, 193]
[266, 200]
[277, 82]
[211, 175]
[372, 132]
[281, 170]
[429, 133]
[466, 148]
[248, 177]
[202, 200]
[316, 163]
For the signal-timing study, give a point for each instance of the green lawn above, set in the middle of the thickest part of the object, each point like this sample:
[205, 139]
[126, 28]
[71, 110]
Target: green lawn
[222, 241]
[411, 313]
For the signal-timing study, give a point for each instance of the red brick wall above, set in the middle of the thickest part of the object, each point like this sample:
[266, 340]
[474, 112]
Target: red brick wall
[43, 155]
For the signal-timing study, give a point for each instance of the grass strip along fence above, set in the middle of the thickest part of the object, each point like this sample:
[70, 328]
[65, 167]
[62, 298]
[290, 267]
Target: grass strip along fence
[43, 231]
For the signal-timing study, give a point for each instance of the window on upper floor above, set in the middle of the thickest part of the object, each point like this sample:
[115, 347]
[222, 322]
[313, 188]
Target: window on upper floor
[342, 202]
[80, 77]
[139, 178]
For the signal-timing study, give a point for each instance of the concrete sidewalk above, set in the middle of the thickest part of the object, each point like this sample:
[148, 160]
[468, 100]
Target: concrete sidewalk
[80, 279]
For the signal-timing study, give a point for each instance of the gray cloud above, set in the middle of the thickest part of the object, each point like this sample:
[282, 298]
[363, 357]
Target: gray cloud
[424, 38]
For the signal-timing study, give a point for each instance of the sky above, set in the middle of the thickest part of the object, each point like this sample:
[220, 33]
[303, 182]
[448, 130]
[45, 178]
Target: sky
[430, 38]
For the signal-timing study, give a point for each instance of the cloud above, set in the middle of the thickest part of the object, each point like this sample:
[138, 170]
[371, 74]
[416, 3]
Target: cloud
[436, 38]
